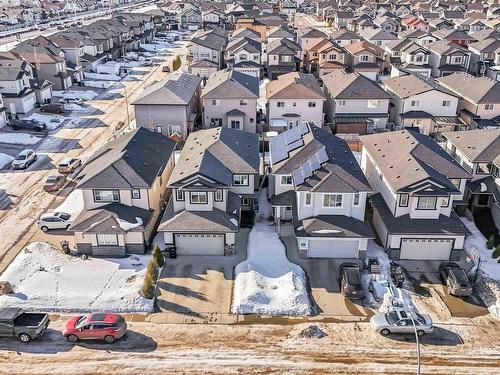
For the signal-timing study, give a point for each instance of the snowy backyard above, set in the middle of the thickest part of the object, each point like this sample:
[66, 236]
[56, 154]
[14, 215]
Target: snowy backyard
[43, 278]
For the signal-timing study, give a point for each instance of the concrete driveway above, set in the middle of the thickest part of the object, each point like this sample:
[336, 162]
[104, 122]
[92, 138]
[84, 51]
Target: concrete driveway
[200, 286]
[323, 275]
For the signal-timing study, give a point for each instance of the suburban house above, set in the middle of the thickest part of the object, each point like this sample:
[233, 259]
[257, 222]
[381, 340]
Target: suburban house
[378, 37]
[208, 45]
[345, 37]
[365, 58]
[124, 190]
[412, 57]
[479, 96]
[478, 151]
[282, 57]
[244, 55]
[416, 183]
[191, 19]
[15, 88]
[324, 57]
[316, 185]
[485, 55]
[215, 178]
[354, 104]
[261, 24]
[293, 98]
[203, 68]
[280, 32]
[342, 18]
[447, 58]
[422, 103]
[230, 100]
[170, 106]
[309, 36]
[456, 36]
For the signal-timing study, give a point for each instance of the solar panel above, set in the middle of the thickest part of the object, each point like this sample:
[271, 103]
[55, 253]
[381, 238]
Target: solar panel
[306, 169]
[278, 149]
[298, 177]
[314, 161]
[303, 128]
[294, 145]
[322, 155]
[292, 135]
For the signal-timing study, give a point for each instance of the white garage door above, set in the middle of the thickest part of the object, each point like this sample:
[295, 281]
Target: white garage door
[428, 249]
[333, 249]
[199, 244]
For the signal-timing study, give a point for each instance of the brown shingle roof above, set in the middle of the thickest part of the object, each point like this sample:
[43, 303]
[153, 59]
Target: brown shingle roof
[294, 85]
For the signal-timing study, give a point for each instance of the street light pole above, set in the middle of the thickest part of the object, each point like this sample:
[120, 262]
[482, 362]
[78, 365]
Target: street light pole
[418, 344]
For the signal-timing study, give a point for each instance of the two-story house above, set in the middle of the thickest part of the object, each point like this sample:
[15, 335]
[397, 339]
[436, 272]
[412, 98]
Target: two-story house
[208, 45]
[485, 57]
[307, 36]
[244, 55]
[170, 106]
[377, 37]
[341, 19]
[124, 189]
[354, 104]
[447, 58]
[215, 178]
[229, 99]
[365, 58]
[456, 36]
[18, 95]
[316, 184]
[282, 56]
[478, 151]
[324, 57]
[345, 37]
[416, 183]
[479, 96]
[293, 98]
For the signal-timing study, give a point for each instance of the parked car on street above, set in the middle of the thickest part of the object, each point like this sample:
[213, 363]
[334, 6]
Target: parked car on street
[350, 281]
[54, 182]
[68, 165]
[400, 321]
[455, 278]
[27, 124]
[107, 327]
[54, 220]
[165, 69]
[71, 101]
[24, 159]
[53, 108]
[14, 322]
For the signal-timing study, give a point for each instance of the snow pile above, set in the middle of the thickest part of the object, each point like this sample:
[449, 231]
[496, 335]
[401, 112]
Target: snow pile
[19, 138]
[73, 94]
[267, 283]
[312, 332]
[45, 279]
[126, 225]
[72, 205]
[5, 159]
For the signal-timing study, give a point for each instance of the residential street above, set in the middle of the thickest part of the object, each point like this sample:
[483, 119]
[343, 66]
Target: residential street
[349, 348]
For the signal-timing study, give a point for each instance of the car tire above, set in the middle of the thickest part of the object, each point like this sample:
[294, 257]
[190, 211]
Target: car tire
[24, 337]
[108, 339]
[67, 226]
[420, 333]
[44, 229]
[72, 338]
[385, 332]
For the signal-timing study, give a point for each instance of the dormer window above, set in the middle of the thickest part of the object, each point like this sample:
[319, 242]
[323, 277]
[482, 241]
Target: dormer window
[286, 180]
[240, 180]
[483, 168]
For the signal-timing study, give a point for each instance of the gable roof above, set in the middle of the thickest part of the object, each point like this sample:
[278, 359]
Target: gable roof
[231, 84]
[282, 46]
[412, 84]
[294, 85]
[476, 89]
[479, 145]
[344, 85]
[244, 32]
[355, 48]
[177, 89]
[442, 47]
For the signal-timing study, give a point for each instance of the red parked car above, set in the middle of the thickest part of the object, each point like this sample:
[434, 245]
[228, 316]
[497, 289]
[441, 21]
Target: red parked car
[107, 327]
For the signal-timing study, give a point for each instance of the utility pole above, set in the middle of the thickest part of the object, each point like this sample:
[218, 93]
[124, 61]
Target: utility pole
[418, 343]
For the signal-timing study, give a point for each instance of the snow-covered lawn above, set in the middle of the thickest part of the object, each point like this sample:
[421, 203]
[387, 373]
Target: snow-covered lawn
[45, 279]
[102, 76]
[267, 283]
[19, 138]
[154, 47]
[72, 205]
[84, 94]
[53, 121]
[5, 159]
[99, 84]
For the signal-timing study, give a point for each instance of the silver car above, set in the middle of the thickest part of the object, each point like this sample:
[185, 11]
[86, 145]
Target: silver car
[400, 321]
[54, 220]
[24, 159]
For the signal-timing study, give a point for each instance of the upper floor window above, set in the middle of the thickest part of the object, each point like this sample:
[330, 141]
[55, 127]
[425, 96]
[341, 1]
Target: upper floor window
[426, 203]
[483, 168]
[355, 200]
[215, 101]
[286, 58]
[373, 103]
[332, 200]
[445, 201]
[106, 196]
[136, 194]
[403, 200]
[219, 195]
[280, 104]
[415, 103]
[286, 180]
[457, 59]
[446, 103]
[159, 129]
[341, 102]
[240, 180]
[308, 199]
[243, 102]
[311, 104]
[364, 58]
[198, 197]
[179, 195]
[488, 107]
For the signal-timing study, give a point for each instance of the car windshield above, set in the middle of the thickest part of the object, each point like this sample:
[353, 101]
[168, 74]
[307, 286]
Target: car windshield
[392, 317]
[21, 157]
[51, 179]
[64, 216]
[460, 275]
[81, 322]
[419, 318]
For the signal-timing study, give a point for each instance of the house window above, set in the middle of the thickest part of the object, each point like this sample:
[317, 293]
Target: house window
[355, 201]
[457, 60]
[294, 104]
[251, 120]
[403, 200]
[308, 199]
[106, 196]
[235, 124]
[332, 200]
[333, 57]
[107, 239]
[373, 103]
[286, 180]
[280, 104]
[446, 103]
[245, 201]
[445, 201]
[215, 102]
[341, 102]
[426, 203]
[484, 168]
[198, 197]
[286, 58]
[240, 180]
[488, 107]
[364, 58]
[179, 195]
[243, 102]
[415, 103]
[219, 195]
[136, 194]
[311, 104]
[159, 129]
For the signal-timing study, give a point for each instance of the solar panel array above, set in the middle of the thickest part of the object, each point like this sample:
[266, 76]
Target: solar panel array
[307, 169]
[284, 143]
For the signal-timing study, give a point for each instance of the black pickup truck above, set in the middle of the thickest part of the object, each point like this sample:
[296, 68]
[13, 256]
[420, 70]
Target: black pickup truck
[26, 326]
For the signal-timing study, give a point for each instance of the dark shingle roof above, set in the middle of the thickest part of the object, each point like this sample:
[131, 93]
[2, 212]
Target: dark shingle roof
[177, 89]
[480, 145]
[352, 86]
[231, 84]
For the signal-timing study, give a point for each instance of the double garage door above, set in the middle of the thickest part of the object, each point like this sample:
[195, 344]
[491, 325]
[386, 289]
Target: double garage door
[199, 244]
[428, 249]
[332, 249]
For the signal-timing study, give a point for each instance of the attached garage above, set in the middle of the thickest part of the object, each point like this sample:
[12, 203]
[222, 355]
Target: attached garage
[327, 248]
[199, 244]
[426, 248]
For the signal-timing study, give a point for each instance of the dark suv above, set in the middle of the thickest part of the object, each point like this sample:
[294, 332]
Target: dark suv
[53, 108]
[27, 124]
[455, 278]
[351, 285]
